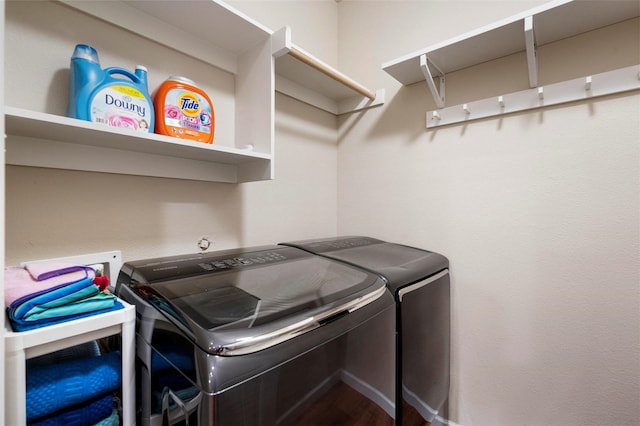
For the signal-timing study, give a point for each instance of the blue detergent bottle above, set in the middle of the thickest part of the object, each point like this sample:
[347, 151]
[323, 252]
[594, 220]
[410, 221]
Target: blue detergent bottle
[102, 96]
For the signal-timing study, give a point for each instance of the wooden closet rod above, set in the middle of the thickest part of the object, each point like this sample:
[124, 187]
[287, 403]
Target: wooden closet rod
[303, 57]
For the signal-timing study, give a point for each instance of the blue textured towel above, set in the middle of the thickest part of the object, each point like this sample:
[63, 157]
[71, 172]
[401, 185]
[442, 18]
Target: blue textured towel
[84, 415]
[56, 387]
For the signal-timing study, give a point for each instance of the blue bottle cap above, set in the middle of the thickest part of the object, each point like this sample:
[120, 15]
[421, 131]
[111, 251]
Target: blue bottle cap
[84, 51]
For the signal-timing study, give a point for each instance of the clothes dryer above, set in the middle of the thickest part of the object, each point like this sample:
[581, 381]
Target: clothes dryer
[419, 280]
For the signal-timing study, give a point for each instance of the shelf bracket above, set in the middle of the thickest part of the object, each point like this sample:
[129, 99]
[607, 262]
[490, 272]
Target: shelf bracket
[281, 42]
[438, 96]
[530, 43]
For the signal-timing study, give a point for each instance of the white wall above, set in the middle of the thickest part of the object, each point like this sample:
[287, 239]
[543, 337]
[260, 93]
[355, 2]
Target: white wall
[302, 201]
[313, 23]
[538, 213]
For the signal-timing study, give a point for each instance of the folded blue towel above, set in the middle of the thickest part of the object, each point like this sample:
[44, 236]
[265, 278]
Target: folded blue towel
[83, 350]
[87, 414]
[42, 295]
[56, 387]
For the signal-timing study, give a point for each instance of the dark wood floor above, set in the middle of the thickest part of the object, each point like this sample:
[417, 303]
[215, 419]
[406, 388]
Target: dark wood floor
[411, 417]
[343, 406]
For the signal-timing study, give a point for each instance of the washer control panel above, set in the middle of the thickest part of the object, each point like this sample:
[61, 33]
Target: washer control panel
[240, 261]
[182, 266]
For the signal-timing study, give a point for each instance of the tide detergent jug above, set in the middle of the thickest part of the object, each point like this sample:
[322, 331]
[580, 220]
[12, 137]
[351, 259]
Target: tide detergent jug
[183, 110]
[99, 96]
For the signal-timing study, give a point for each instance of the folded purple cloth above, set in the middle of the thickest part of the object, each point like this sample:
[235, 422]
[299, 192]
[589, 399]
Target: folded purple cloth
[46, 270]
[34, 279]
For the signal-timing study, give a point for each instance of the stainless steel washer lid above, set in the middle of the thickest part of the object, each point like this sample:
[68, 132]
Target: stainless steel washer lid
[243, 301]
[400, 265]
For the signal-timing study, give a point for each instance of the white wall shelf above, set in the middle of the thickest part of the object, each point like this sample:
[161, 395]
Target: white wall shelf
[551, 22]
[308, 79]
[213, 33]
[218, 35]
[524, 32]
[20, 346]
[51, 141]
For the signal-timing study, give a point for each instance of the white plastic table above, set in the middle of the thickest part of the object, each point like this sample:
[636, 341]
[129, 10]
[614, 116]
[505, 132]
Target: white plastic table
[20, 346]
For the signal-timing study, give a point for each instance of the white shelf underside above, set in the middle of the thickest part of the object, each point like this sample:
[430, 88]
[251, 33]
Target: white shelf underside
[553, 21]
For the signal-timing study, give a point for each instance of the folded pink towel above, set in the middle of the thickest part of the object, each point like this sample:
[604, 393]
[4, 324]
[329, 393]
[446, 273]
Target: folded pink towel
[41, 277]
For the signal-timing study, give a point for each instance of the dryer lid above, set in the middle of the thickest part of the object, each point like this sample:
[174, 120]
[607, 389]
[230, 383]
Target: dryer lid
[400, 265]
[233, 303]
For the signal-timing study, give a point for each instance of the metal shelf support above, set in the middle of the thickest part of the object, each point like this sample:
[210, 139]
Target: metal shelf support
[532, 59]
[438, 95]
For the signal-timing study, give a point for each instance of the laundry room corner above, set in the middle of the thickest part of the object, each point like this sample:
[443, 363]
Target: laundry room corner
[537, 211]
[301, 201]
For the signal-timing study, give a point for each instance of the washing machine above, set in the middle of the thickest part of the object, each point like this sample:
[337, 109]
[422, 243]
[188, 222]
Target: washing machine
[251, 336]
[419, 281]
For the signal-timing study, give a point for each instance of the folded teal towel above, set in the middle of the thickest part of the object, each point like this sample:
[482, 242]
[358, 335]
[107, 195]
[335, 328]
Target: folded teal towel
[18, 325]
[112, 420]
[86, 300]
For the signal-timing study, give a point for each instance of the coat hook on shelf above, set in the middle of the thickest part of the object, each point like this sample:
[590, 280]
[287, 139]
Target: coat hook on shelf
[579, 89]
